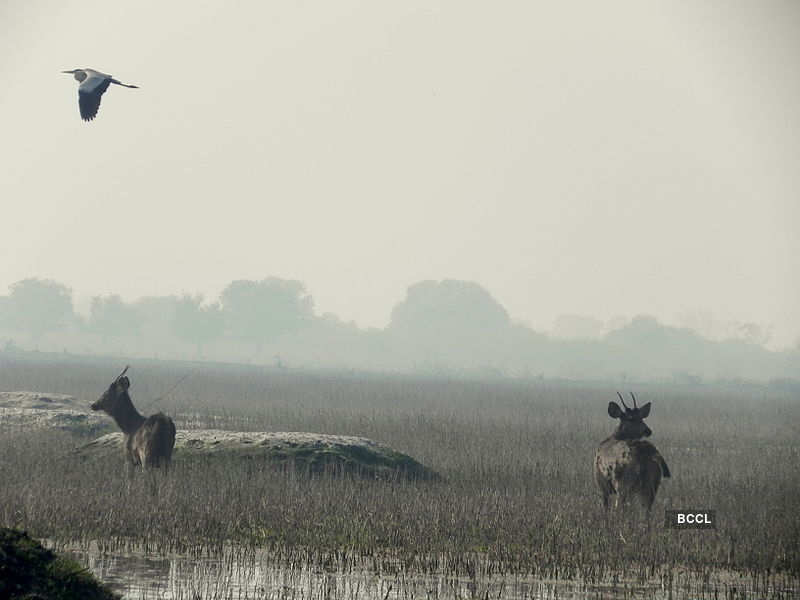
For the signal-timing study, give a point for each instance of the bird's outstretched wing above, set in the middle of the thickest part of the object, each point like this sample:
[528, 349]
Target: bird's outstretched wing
[89, 99]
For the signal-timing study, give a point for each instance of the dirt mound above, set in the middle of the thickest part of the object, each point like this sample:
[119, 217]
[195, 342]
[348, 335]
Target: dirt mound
[37, 410]
[315, 452]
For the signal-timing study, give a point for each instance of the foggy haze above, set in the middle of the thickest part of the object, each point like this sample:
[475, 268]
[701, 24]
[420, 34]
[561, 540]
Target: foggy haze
[599, 161]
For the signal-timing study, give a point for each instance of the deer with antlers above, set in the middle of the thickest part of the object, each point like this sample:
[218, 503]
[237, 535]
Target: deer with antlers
[625, 464]
[148, 441]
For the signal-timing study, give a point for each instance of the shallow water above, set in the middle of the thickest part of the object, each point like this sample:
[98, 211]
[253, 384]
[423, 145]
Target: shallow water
[241, 575]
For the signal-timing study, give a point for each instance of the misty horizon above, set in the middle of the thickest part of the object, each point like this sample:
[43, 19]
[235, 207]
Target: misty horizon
[619, 160]
[564, 326]
[448, 327]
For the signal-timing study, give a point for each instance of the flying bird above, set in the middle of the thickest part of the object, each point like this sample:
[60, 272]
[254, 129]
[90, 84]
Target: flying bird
[92, 85]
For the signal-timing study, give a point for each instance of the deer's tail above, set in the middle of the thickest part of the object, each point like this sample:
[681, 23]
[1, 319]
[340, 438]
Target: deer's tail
[663, 464]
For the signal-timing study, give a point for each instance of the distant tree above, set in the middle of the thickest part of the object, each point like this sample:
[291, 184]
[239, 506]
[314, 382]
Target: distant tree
[647, 332]
[577, 327]
[156, 313]
[754, 333]
[644, 330]
[616, 322]
[197, 324]
[712, 328]
[5, 319]
[450, 327]
[448, 307]
[648, 347]
[112, 318]
[259, 311]
[37, 306]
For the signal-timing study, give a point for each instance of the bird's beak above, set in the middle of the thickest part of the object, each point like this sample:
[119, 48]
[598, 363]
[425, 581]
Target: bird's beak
[67, 71]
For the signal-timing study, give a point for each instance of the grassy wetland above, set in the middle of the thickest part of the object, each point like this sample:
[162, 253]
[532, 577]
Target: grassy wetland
[516, 501]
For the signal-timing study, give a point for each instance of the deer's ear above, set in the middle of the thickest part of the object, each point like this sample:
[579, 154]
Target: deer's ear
[614, 411]
[125, 382]
[644, 411]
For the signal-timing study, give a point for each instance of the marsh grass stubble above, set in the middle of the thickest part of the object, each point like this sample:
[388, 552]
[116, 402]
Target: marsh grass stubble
[517, 494]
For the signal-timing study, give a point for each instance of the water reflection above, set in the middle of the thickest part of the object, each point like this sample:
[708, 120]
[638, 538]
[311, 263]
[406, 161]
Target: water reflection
[248, 574]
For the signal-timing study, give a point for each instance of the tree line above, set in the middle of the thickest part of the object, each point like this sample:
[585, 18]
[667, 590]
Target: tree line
[440, 327]
[255, 311]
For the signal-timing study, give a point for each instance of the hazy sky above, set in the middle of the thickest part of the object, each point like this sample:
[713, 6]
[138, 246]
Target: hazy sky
[591, 158]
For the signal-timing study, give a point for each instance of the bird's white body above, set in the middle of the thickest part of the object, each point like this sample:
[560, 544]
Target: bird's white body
[93, 85]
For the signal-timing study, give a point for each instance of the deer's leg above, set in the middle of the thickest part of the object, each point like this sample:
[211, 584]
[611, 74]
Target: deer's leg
[130, 466]
[620, 498]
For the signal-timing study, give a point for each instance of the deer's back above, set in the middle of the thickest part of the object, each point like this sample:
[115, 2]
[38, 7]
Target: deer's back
[153, 442]
[618, 460]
